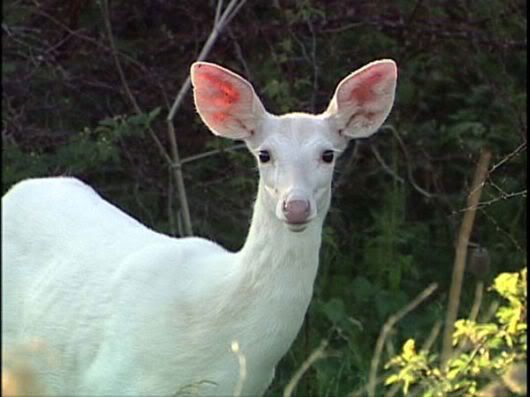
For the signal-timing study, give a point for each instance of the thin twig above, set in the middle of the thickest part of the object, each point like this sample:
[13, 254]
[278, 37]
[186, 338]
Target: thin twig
[314, 63]
[239, 54]
[481, 173]
[385, 166]
[517, 150]
[435, 331]
[477, 301]
[212, 152]
[233, 12]
[410, 18]
[350, 162]
[106, 17]
[316, 355]
[393, 390]
[125, 84]
[498, 228]
[492, 310]
[387, 327]
[218, 11]
[408, 161]
[487, 203]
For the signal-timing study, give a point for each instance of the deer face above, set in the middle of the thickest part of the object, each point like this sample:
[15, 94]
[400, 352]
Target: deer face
[296, 162]
[295, 152]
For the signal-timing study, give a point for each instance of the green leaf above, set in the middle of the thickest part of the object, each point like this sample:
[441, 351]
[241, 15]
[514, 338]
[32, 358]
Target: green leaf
[334, 310]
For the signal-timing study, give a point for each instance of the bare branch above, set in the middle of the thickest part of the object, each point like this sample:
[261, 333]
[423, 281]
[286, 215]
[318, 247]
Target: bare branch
[385, 166]
[216, 30]
[218, 11]
[239, 53]
[498, 228]
[516, 151]
[408, 161]
[212, 153]
[220, 22]
[505, 196]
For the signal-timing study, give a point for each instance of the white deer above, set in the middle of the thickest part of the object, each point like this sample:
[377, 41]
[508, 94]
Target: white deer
[123, 310]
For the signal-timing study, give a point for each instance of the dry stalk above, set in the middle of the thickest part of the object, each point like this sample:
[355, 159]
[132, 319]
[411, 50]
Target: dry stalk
[242, 369]
[479, 179]
[220, 22]
[316, 355]
[477, 301]
[387, 327]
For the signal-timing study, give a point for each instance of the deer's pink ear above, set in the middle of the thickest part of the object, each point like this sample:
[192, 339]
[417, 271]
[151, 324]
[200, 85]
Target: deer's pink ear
[363, 100]
[225, 101]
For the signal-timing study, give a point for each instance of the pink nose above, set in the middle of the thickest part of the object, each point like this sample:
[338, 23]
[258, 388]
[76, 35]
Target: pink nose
[296, 211]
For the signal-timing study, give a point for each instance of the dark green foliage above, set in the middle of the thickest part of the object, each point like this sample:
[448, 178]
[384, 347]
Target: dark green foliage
[398, 197]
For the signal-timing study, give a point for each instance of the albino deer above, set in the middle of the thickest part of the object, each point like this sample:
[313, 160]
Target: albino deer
[124, 310]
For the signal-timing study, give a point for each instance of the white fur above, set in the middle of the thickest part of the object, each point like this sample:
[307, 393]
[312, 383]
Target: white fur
[120, 309]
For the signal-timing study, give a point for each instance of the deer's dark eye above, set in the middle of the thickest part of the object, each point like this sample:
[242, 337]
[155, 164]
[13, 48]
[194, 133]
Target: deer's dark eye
[264, 156]
[328, 156]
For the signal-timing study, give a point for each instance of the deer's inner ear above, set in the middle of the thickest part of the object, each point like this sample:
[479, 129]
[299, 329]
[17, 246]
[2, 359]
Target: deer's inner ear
[363, 100]
[225, 101]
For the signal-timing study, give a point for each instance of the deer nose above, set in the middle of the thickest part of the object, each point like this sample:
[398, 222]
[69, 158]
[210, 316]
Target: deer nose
[296, 211]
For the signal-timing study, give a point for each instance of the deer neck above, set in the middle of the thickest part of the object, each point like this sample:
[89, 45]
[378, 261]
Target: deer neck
[274, 256]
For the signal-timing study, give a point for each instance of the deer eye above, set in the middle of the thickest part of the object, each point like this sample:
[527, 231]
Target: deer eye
[264, 156]
[328, 156]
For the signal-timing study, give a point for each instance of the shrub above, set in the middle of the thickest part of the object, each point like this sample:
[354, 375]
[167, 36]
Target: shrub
[484, 352]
